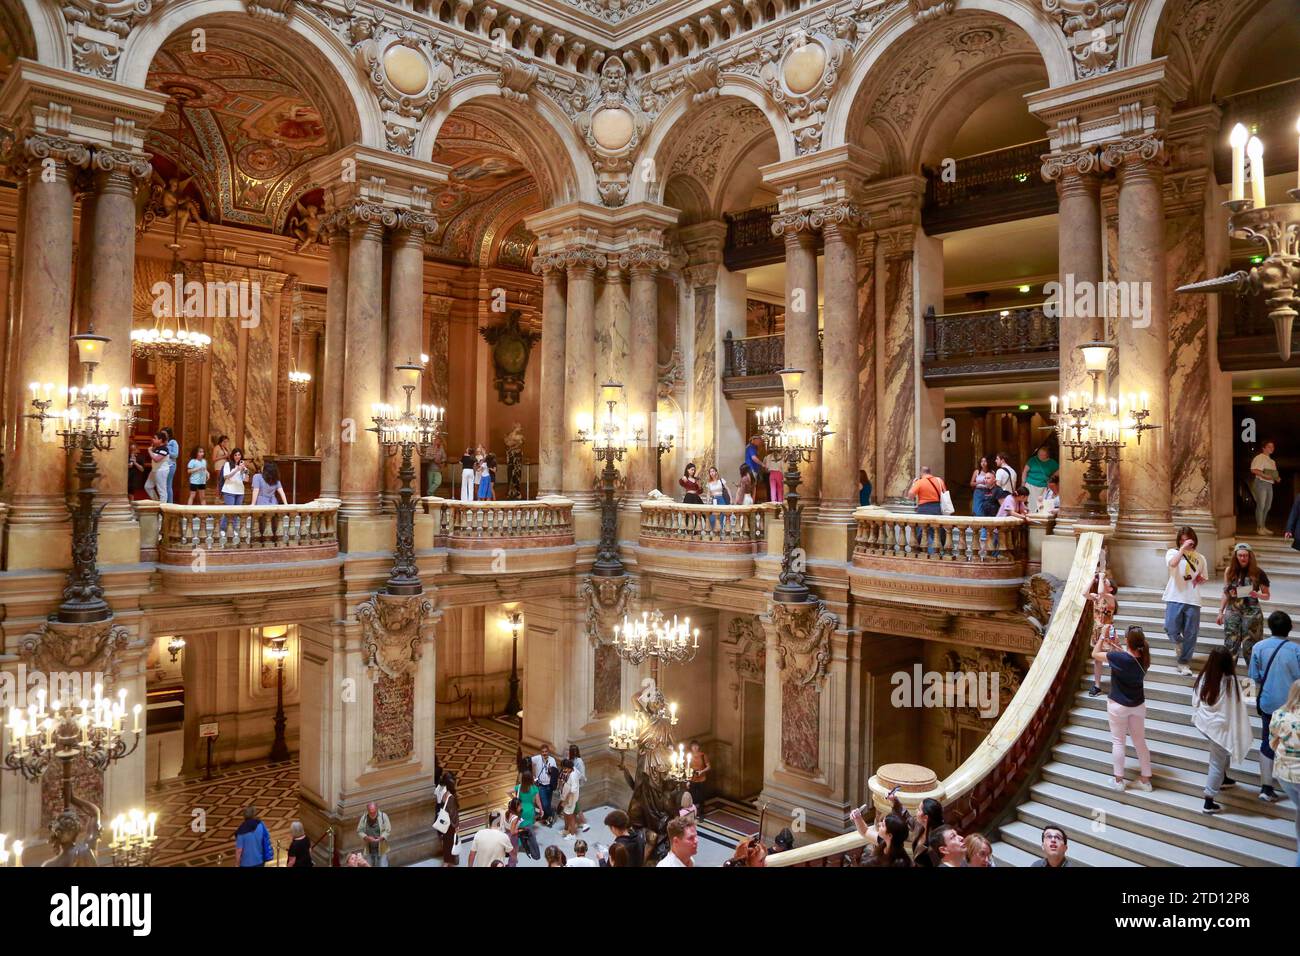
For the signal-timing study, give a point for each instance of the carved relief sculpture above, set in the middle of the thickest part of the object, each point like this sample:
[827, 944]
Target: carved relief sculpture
[391, 636]
[511, 347]
[803, 647]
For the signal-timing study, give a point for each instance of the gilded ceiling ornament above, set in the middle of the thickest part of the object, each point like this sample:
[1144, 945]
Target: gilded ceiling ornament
[390, 626]
[305, 225]
[1092, 29]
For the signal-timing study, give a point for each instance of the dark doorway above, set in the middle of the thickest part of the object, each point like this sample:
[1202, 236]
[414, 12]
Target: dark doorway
[1270, 420]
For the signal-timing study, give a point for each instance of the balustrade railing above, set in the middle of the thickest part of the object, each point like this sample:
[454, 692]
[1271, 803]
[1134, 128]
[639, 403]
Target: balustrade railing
[961, 347]
[248, 533]
[503, 524]
[755, 355]
[957, 539]
[978, 791]
[997, 186]
[674, 525]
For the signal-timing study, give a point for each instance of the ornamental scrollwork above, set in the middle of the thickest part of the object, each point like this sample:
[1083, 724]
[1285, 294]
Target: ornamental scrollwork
[612, 124]
[390, 627]
[803, 640]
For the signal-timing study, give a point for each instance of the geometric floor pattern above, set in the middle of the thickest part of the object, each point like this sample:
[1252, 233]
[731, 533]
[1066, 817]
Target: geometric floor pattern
[197, 818]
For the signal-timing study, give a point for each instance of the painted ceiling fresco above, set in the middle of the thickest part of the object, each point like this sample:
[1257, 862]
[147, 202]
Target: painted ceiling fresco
[248, 127]
[490, 188]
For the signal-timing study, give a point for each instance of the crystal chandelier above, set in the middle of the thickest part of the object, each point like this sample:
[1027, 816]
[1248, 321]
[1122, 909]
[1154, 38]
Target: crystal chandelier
[163, 341]
[299, 381]
[652, 636]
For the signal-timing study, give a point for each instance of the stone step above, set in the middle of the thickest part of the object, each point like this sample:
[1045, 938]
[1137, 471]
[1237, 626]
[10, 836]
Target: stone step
[1174, 732]
[1155, 690]
[1026, 838]
[1118, 813]
[1163, 753]
[1004, 854]
[1080, 830]
[1172, 711]
[1233, 819]
[1243, 798]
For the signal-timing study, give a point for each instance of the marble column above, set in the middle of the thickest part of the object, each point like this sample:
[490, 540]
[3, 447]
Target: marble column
[405, 324]
[640, 382]
[1079, 238]
[363, 363]
[866, 352]
[110, 259]
[304, 429]
[580, 370]
[801, 346]
[1143, 337]
[331, 378]
[840, 453]
[896, 386]
[612, 329]
[552, 424]
[36, 476]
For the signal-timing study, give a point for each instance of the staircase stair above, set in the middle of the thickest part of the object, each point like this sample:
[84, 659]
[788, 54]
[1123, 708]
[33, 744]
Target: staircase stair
[1165, 827]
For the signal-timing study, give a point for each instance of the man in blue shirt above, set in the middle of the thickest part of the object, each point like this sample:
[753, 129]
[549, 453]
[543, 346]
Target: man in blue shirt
[754, 463]
[252, 841]
[1274, 667]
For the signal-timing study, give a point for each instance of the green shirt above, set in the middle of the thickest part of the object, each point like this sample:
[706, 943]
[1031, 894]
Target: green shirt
[1040, 471]
[527, 806]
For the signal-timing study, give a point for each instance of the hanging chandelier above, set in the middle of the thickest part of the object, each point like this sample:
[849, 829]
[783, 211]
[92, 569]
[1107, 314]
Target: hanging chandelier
[171, 338]
[299, 381]
[652, 636]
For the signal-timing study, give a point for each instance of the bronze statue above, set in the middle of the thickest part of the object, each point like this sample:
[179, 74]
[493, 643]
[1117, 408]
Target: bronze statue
[655, 798]
[168, 198]
[66, 828]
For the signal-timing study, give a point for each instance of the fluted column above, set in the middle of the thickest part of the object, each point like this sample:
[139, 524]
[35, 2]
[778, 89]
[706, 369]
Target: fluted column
[580, 369]
[364, 358]
[331, 377]
[801, 345]
[640, 382]
[1079, 237]
[551, 439]
[1143, 336]
[37, 473]
[840, 453]
[110, 211]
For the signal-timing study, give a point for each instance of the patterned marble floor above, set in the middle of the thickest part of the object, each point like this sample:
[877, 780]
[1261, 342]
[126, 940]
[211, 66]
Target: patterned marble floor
[197, 818]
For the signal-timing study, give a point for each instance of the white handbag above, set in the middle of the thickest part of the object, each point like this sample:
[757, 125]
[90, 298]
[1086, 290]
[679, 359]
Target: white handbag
[443, 823]
[945, 503]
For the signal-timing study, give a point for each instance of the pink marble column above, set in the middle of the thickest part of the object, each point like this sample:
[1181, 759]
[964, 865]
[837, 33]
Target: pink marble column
[36, 476]
[801, 346]
[1078, 190]
[896, 392]
[866, 352]
[331, 377]
[1143, 339]
[551, 439]
[580, 370]
[840, 455]
[640, 378]
[363, 363]
[110, 211]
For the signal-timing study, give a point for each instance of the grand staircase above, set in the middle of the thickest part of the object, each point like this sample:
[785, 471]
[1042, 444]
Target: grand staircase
[1164, 827]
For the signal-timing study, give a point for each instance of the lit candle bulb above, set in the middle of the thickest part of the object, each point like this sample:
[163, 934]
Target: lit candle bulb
[1255, 150]
[135, 711]
[1238, 141]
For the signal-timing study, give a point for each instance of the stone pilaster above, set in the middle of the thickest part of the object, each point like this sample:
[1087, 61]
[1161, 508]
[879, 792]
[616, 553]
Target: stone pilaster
[896, 388]
[330, 428]
[552, 437]
[703, 244]
[867, 354]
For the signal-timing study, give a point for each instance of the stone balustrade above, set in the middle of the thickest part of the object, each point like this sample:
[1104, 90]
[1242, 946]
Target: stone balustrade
[971, 563]
[976, 792]
[486, 525]
[247, 534]
[725, 529]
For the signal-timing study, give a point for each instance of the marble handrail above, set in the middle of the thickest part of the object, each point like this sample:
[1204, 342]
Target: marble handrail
[520, 524]
[953, 539]
[667, 523]
[256, 532]
[974, 791]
